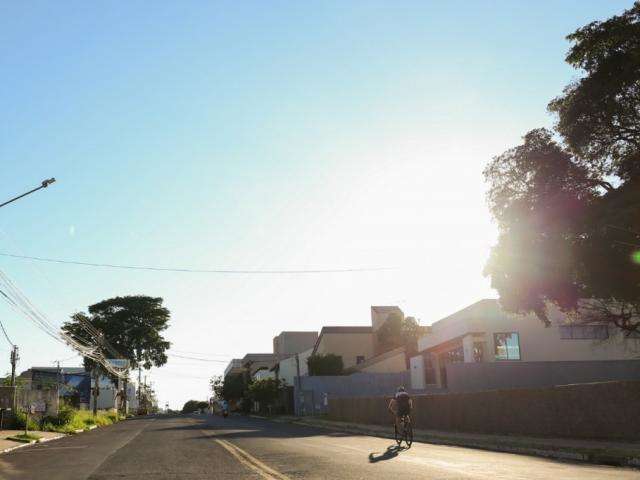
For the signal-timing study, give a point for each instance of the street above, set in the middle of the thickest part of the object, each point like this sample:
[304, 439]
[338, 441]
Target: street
[205, 447]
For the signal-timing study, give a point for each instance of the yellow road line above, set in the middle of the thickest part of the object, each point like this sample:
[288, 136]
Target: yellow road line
[248, 460]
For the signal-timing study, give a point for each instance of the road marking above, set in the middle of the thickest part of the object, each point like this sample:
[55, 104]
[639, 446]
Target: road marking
[248, 460]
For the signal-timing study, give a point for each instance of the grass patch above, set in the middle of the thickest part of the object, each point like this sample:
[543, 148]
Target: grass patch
[25, 437]
[70, 420]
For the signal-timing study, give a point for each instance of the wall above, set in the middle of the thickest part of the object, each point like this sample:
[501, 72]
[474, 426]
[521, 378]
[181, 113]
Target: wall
[289, 343]
[347, 345]
[46, 399]
[311, 397]
[467, 377]
[288, 370]
[589, 411]
[393, 362]
[537, 342]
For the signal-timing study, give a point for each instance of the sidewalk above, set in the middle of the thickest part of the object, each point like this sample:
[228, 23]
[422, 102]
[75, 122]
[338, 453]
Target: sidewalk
[592, 451]
[8, 445]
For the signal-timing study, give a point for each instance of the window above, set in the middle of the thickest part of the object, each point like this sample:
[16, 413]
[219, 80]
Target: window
[507, 346]
[478, 351]
[359, 359]
[584, 332]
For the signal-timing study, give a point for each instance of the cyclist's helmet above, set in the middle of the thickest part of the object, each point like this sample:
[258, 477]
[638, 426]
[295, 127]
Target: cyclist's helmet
[400, 389]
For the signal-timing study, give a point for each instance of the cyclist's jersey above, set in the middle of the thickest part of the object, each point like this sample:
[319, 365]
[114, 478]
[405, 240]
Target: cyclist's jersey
[403, 403]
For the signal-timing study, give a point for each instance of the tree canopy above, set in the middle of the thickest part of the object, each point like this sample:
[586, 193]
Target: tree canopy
[194, 406]
[133, 325]
[397, 331]
[231, 387]
[568, 205]
[329, 364]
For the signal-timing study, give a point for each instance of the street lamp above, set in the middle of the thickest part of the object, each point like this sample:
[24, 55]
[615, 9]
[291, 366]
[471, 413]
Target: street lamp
[44, 184]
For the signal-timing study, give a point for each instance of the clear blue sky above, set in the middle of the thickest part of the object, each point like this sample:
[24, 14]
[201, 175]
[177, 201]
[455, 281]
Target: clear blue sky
[263, 135]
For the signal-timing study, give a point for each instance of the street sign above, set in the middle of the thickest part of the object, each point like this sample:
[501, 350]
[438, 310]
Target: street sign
[120, 363]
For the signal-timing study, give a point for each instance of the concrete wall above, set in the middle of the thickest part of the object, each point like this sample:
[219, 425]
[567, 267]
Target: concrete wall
[314, 392]
[588, 411]
[537, 342]
[46, 399]
[347, 345]
[469, 377]
[393, 363]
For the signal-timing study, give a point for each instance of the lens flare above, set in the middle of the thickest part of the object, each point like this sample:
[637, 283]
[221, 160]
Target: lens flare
[635, 256]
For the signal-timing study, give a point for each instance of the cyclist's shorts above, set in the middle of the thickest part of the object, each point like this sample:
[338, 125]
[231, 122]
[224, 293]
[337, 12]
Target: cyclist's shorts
[404, 410]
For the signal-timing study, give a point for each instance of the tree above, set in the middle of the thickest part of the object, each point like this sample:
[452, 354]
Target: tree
[131, 324]
[229, 388]
[569, 231]
[192, 406]
[398, 331]
[599, 114]
[266, 392]
[328, 364]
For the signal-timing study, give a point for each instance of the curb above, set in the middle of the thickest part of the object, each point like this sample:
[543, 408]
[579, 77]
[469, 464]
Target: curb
[585, 455]
[22, 445]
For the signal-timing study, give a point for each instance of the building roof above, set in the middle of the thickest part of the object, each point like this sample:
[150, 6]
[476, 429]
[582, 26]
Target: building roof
[55, 369]
[484, 305]
[385, 309]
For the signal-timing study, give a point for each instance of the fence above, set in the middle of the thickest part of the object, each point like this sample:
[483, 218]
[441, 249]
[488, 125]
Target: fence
[605, 410]
[473, 377]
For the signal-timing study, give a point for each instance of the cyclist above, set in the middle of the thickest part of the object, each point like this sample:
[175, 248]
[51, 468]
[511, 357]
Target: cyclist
[400, 405]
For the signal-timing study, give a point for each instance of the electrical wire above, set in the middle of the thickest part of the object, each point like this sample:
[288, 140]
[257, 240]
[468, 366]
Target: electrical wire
[194, 270]
[5, 335]
[199, 359]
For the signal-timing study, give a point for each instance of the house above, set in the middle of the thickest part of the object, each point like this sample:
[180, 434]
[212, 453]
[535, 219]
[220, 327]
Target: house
[291, 367]
[252, 362]
[290, 343]
[234, 367]
[482, 347]
[353, 344]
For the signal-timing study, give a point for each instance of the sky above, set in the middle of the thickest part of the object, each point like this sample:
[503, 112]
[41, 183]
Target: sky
[262, 135]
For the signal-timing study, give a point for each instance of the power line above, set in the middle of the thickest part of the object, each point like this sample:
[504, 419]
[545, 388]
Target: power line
[5, 335]
[194, 358]
[195, 270]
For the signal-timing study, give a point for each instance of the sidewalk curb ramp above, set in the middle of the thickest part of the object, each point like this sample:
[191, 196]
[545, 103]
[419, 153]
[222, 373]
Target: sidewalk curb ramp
[26, 444]
[538, 447]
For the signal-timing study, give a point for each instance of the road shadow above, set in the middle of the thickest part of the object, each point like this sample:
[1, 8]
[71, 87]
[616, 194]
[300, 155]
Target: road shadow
[239, 427]
[391, 452]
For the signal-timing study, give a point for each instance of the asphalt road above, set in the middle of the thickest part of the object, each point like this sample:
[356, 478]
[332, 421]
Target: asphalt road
[204, 447]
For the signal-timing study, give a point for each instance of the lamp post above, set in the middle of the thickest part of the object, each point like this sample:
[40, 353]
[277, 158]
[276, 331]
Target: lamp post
[44, 184]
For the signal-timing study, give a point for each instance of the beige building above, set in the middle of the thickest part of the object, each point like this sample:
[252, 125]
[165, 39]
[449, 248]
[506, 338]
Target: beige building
[290, 343]
[354, 344]
[252, 362]
[484, 333]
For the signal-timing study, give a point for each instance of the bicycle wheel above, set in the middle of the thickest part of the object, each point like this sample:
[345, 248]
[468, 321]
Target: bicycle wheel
[396, 434]
[408, 433]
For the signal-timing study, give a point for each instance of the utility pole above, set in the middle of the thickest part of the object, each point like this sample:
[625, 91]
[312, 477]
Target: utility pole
[14, 360]
[96, 390]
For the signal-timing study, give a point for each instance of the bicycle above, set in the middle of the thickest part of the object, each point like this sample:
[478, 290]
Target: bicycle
[406, 434]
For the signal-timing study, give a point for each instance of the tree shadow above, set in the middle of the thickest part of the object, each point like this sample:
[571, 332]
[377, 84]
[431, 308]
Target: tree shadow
[391, 452]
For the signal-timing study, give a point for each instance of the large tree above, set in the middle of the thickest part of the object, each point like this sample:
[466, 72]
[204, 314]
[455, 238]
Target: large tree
[568, 208]
[133, 325]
